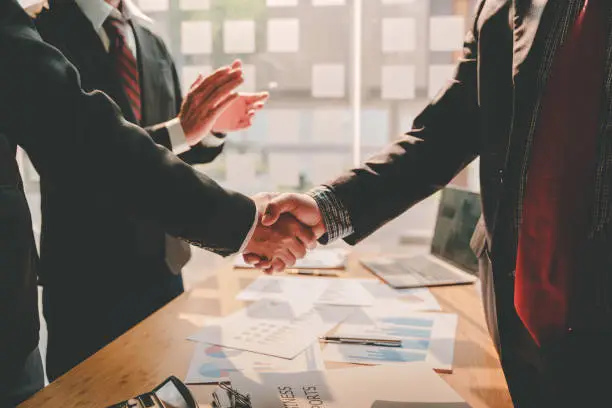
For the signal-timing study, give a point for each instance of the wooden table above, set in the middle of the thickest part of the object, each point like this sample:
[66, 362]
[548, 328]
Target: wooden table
[156, 348]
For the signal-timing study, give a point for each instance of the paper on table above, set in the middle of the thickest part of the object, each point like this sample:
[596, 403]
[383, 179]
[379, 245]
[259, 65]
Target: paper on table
[325, 291]
[426, 337]
[345, 292]
[414, 386]
[341, 292]
[400, 301]
[273, 328]
[284, 288]
[316, 259]
[213, 364]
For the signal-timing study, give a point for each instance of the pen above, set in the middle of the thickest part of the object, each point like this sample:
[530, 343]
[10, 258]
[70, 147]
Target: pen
[313, 272]
[362, 341]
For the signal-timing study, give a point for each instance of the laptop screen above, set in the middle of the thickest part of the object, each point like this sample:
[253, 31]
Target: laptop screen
[458, 215]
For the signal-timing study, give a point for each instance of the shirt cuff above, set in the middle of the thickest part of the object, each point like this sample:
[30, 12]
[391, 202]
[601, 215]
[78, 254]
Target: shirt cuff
[250, 234]
[213, 140]
[335, 215]
[178, 140]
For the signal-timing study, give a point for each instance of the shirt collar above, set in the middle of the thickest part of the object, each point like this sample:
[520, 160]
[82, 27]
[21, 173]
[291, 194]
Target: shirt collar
[97, 11]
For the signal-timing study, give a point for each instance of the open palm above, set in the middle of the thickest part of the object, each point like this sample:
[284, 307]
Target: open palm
[239, 115]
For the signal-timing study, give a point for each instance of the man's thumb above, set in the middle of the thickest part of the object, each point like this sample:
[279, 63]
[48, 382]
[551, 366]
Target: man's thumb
[275, 209]
[271, 215]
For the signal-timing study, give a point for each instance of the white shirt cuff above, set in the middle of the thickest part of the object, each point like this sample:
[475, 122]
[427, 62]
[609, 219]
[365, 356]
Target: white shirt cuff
[250, 234]
[178, 140]
[211, 140]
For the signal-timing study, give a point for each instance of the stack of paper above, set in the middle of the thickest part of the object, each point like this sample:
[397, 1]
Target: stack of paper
[322, 291]
[426, 337]
[414, 386]
[338, 292]
[273, 328]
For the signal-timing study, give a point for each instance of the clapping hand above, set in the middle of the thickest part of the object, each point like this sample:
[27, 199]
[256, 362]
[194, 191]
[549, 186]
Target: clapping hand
[241, 111]
[290, 225]
[207, 99]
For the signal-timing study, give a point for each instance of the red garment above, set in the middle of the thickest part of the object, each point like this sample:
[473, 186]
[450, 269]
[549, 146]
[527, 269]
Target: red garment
[125, 64]
[560, 181]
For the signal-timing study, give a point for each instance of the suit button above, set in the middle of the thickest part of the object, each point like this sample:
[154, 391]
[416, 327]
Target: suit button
[500, 176]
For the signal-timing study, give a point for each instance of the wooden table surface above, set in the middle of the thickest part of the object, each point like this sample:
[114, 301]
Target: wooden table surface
[157, 348]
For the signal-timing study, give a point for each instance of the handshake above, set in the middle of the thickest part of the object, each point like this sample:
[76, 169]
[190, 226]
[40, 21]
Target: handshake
[288, 226]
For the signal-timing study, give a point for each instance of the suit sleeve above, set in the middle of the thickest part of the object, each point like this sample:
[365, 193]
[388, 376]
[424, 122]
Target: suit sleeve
[443, 141]
[93, 145]
[160, 135]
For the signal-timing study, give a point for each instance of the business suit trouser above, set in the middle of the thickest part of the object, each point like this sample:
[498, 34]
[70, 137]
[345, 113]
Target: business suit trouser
[575, 371]
[24, 382]
[82, 319]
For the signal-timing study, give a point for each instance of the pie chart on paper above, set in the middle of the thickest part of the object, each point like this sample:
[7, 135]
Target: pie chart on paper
[212, 371]
[220, 352]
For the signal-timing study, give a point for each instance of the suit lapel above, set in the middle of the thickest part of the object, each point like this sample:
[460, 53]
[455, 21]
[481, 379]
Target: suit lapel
[82, 45]
[540, 27]
[603, 194]
[146, 51]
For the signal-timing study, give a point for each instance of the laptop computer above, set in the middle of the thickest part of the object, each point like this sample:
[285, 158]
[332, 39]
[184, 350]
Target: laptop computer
[450, 260]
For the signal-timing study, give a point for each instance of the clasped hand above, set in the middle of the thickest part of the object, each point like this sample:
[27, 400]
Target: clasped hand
[288, 226]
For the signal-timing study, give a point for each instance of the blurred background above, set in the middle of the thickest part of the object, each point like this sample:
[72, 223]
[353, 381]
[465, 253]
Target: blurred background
[346, 78]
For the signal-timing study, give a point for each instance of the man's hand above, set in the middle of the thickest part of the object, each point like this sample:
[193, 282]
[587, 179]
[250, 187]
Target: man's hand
[301, 206]
[240, 113]
[281, 244]
[206, 101]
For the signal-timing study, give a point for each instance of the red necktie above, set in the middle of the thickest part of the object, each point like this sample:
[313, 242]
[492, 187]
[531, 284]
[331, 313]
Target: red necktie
[125, 64]
[560, 181]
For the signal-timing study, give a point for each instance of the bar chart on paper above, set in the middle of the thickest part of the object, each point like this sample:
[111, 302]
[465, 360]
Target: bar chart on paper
[426, 337]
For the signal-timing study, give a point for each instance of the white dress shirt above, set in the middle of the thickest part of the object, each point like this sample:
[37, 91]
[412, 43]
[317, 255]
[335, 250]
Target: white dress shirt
[97, 12]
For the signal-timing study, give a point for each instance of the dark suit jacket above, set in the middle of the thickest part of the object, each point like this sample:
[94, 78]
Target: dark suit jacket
[482, 112]
[76, 139]
[124, 247]
[129, 257]
[18, 264]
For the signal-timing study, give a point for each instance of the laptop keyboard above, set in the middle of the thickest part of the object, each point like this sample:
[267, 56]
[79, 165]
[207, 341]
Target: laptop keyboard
[425, 270]
[414, 270]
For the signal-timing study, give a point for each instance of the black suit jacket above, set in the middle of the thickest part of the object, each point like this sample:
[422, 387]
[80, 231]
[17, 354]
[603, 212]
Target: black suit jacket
[482, 112]
[76, 139]
[127, 249]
